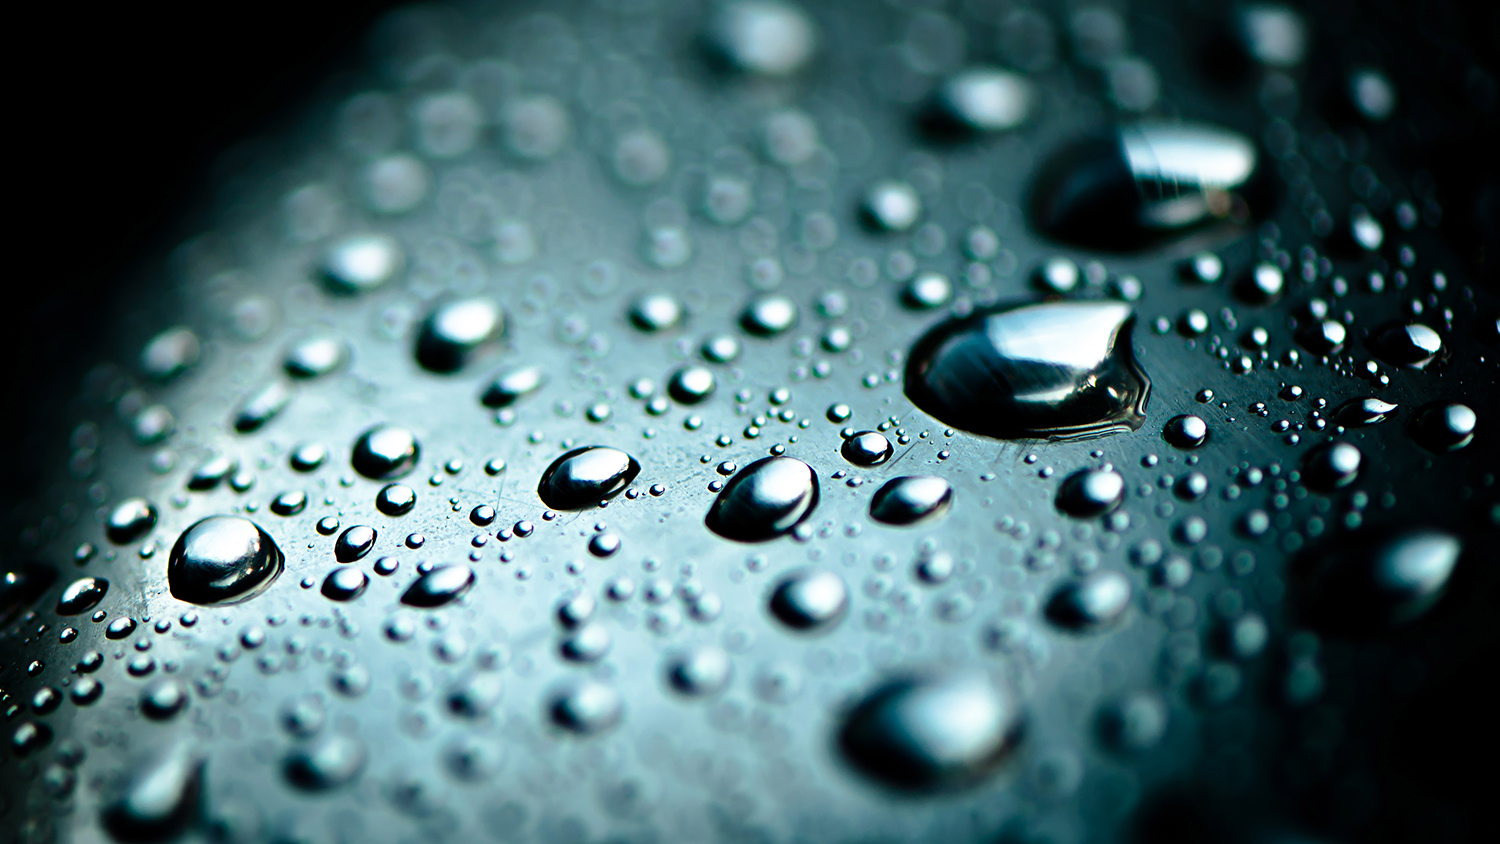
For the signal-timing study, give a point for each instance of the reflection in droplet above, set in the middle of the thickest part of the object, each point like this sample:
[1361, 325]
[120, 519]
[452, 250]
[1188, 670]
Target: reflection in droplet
[212, 471]
[932, 733]
[457, 331]
[441, 585]
[1091, 603]
[1262, 284]
[385, 452]
[82, 595]
[1135, 722]
[163, 699]
[130, 520]
[1055, 370]
[395, 499]
[767, 316]
[891, 207]
[345, 583]
[691, 384]
[354, 543]
[585, 476]
[222, 560]
[810, 601]
[982, 99]
[585, 707]
[1185, 431]
[1091, 492]
[1272, 34]
[911, 500]
[261, 406]
[764, 500]
[656, 312]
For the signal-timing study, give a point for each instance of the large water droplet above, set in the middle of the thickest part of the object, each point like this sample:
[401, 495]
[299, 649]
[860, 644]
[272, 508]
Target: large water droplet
[362, 262]
[1091, 603]
[765, 37]
[160, 799]
[385, 452]
[585, 476]
[131, 519]
[1381, 581]
[766, 499]
[981, 99]
[810, 601]
[354, 543]
[326, 763]
[222, 560]
[932, 733]
[345, 584]
[455, 332]
[1056, 370]
[438, 587]
[82, 595]
[585, 707]
[1152, 178]
[911, 500]
[1446, 426]
[1413, 345]
[1091, 492]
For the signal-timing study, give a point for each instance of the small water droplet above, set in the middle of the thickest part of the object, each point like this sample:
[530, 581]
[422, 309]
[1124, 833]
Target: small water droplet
[891, 206]
[810, 601]
[325, 763]
[131, 519]
[362, 262]
[170, 353]
[315, 357]
[1331, 466]
[701, 672]
[441, 585]
[691, 384]
[1091, 492]
[911, 500]
[1185, 431]
[1369, 411]
[161, 798]
[585, 707]
[1446, 426]
[1091, 603]
[769, 315]
[1413, 345]
[395, 499]
[867, 448]
[354, 543]
[763, 37]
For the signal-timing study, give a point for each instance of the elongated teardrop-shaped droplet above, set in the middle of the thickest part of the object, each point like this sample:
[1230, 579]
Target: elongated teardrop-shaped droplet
[512, 386]
[326, 763]
[1380, 581]
[455, 332]
[1091, 492]
[810, 601]
[222, 560]
[131, 519]
[1090, 603]
[766, 499]
[211, 472]
[1055, 370]
[932, 733]
[440, 586]
[1355, 412]
[82, 595]
[160, 800]
[385, 452]
[585, 476]
[1152, 178]
[911, 500]
[261, 406]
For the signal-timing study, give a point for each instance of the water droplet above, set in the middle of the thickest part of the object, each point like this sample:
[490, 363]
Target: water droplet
[395, 499]
[1322, 337]
[354, 543]
[212, 472]
[82, 595]
[1091, 492]
[1091, 603]
[1379, 581]
[362, 262]
[810, 601]
[1446, 426]
[1134, 723]
[1261, 285]
[766, 499]
[891, 206]
[1372, 94]
[170, 353]
[119, 628]
[655, 312]
[927, 291]
[769, 315]
[131, 519]
[315, 357]
[161, 798]
[585, 476]
[1204, 268]
[911, 500]
[1272, 34]
[441, 585]
[385, 452]
[163, 699]
[1413, 345]
[1152, 178]
[703, 671]
[261, 407]
[326, 763]
[981, 99]
[691, 384]
[222, 560]
[509, 387]
[1369, 411]
[764, 37]
[589, 643]
[1331, 466]
[289, 503]
[1185, 431]
[536, 127]
[345, 584]
[456, 332]
[867, 448]
[932, 733]
[1056, 370]
[585, 707]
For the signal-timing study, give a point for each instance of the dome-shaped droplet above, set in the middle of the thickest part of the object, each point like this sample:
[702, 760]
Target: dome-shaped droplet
[212, 472]
[927, 291]
[1272, 34]
[655, 312]
[585, 707]
[171, 352]
[163, 699]
[345, 583]
[512, 385]
[1056, 370]
[395, 499]
[1135, 722]
[691, 384]
[82, 595]
[160, 799]
[589, 643]
[222, 560]
[585, 476]
[362, 262]
[1382, 580]
[767, 316]
[700, 672]
[1261, 284]
[325, 763]
[1356, 412]
[354, 543]
[1322, 337]
[131, 519]
[315, 357]
[261, 406]
[764, 37]
[764, 500]
[1185, 431]
[1331, 466]
[981, 99]
[931, 733]
[1091, 492]
[475, 695]
[441, 585]
[455, 332]
[810, 601]
[867, 448]
[1090, 603]
[1150, 179]
[911, 500]
[891, 206]
[1413, 345]
[1446, 426]
[385, 452]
